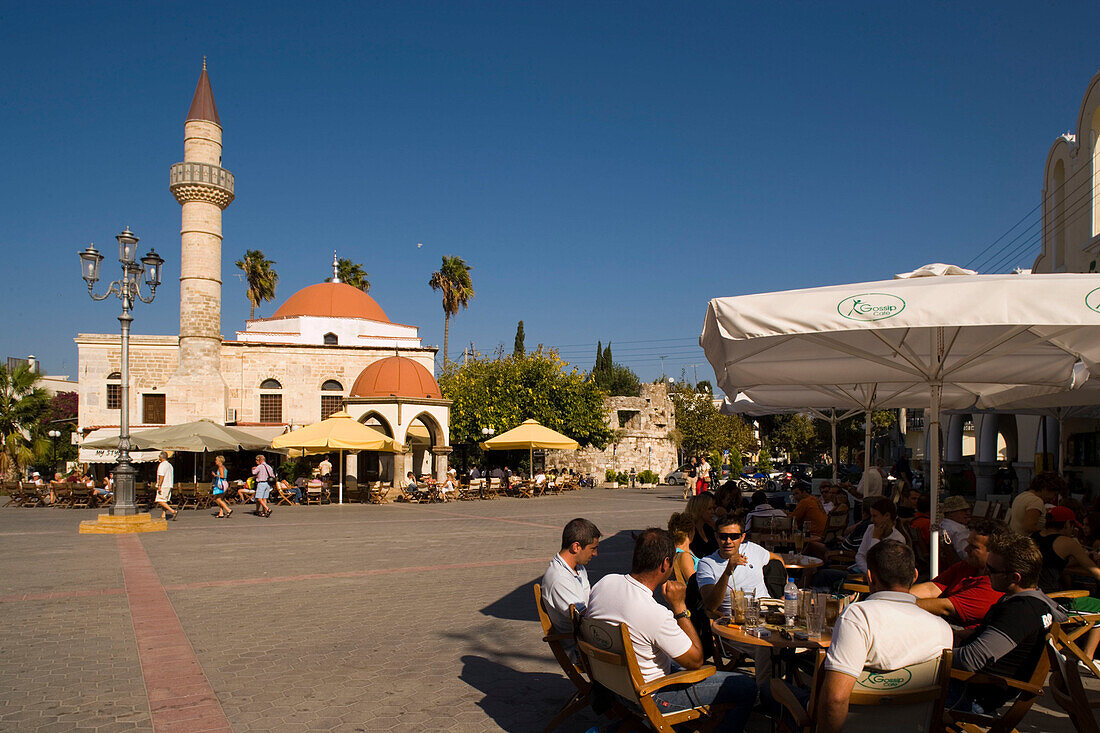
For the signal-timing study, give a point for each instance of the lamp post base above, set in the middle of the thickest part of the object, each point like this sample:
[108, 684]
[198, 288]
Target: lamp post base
[126, 524]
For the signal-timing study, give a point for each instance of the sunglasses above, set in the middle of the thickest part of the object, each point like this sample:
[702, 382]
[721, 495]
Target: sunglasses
[732, 536]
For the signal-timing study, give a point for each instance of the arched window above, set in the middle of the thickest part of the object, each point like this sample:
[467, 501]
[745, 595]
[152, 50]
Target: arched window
[271, 401]
[114, 391]
[331, 403]
[331, 339]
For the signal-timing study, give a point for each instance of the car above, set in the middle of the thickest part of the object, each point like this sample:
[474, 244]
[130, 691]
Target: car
[677, 477]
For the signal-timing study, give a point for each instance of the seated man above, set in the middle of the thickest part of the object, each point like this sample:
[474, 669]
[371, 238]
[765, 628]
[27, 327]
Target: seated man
[808, 509]
[1010, 640]
[956, 515]
[106, 493]
[886, 631]
[566, 579]
[660, 636]
[907, 503]
[245, 491]
[756, 520]
[285, 486]
[962, 593]
[1061, 550]
[737, 565]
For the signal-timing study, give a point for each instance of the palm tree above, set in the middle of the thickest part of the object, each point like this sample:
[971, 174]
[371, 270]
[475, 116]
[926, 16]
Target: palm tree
[352, 273]
[261, 278]
[22, 405]
[453, 278]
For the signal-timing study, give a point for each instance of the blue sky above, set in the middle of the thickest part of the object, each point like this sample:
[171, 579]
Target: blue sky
[606, 168]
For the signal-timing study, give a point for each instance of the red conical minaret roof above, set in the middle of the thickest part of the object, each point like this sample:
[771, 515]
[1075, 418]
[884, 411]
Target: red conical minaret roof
[202, 104]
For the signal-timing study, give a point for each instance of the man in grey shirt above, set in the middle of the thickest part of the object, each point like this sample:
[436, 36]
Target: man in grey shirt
[566, 579]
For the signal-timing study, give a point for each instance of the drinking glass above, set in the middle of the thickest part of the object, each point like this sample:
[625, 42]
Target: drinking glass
[752, 611]
[816, 620]
[737, 606]
[804, 599]
[799, 542]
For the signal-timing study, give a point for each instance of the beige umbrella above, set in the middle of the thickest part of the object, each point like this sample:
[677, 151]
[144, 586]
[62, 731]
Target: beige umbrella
[337, 432]
[530, 435]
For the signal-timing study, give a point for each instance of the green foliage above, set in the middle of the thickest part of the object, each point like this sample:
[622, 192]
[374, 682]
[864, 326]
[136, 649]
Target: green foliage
[614, 379]
[503, 392]
[353, 274]
[764, 460]
[648, 477]
[453, 280]
[23, 407]
[60, 415]
[737, 463]
[260, 278]
[795, 435]
[702, 429]
[293, 469]
[623, 477]
[610, 476]
[518, 348]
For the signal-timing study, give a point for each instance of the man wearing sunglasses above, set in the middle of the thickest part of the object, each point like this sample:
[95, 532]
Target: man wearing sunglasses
[738, 565]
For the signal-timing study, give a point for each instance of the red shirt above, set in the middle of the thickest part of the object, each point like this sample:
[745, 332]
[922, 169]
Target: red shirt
[923, 525]
[970, 594]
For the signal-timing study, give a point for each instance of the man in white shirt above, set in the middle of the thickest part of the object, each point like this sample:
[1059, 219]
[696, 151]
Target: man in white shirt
[566, 579]
[886, 631]
[661, 636]
[870, 484]
[956, 514]
[737, 565]
[166, 479]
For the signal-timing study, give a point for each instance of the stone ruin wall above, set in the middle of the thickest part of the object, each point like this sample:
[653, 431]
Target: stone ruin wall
[644, 423]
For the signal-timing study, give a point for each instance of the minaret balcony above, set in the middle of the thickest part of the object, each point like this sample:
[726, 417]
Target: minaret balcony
[201, 182]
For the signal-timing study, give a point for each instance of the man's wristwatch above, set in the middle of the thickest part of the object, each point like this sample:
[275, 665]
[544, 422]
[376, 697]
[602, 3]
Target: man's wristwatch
[682, 614]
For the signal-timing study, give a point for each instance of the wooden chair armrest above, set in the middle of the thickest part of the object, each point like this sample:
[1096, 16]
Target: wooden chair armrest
[782, 694]
[557, 637]
[1080, 593]
[686, 677]
[990, 679]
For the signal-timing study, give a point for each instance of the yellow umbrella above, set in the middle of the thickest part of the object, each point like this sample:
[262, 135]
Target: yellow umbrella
[530, 435]
[337, 432]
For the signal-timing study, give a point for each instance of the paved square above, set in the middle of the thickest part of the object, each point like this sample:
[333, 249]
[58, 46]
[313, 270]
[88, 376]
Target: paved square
[352, 618]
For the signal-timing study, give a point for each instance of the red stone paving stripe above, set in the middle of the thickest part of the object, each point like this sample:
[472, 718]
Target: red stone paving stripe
[180, 697]
[502, 519]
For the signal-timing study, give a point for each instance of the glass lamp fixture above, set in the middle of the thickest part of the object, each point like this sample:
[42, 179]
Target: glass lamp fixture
[90, 260]
[127, 246]
[152, 262]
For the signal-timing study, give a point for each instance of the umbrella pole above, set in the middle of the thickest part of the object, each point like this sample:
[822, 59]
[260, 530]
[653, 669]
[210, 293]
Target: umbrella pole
[832, 427]
[341, 462]
[867, 441]
[531, 462]
[1061, 444]
[934, 469]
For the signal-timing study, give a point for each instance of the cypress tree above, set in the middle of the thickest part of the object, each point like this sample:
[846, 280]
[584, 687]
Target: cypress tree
[518, 350]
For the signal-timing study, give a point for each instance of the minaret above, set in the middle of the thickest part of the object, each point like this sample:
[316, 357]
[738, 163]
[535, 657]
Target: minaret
[203, 188]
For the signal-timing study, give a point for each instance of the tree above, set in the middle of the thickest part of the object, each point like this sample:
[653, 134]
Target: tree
[518, 349]
[614, 379]
[260, 277]
[764, 460]
[60, 414]
[353, 274]
[453, 279]
[702, 428]
[795, 435]
[502, 392]
[22, 405]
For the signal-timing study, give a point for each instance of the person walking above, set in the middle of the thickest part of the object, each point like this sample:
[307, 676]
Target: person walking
[265, 477]
[703, 483]
[165, 481]
[221, 485]
[689, 479]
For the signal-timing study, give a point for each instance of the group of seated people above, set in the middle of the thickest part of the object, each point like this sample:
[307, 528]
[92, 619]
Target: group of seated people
[104, 494]
[989, 605]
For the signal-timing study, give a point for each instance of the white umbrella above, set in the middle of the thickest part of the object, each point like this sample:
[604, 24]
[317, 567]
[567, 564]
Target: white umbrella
[935, 342]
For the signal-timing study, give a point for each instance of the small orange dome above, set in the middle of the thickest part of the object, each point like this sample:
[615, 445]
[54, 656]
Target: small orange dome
[396, 376]
[332, 300]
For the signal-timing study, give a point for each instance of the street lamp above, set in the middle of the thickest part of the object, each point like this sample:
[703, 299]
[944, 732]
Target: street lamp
[54, 435]
[127, 288]
[488, 431]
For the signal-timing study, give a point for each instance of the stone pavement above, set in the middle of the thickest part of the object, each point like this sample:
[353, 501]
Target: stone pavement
[352, 618]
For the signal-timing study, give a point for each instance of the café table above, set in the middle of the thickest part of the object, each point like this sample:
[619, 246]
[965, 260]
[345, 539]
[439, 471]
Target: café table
[783, 648]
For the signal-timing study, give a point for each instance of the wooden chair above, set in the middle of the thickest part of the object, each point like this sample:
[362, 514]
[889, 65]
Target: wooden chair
[188, 496]
[378, 492]
[285, 496]
[573, 671]
[1026, 692]
[1066, 634]
[981, 509]
[1069, 692]
[471, 490]
[835, 524]
[315, 492]
[610, 660]
[494, 488]
[62, 491]
[880, 700]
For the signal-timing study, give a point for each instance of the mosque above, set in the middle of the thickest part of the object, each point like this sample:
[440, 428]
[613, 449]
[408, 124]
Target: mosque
[328, 347]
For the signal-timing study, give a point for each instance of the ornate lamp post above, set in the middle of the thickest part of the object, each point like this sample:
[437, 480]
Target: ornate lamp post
[54, 435]
[128, 288]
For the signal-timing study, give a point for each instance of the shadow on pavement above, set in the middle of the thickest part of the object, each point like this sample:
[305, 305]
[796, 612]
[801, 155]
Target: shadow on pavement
[521, 701]
[613, 557]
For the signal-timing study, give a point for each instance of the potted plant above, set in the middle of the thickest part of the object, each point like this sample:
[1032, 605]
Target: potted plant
[611, 480]
[648, 479]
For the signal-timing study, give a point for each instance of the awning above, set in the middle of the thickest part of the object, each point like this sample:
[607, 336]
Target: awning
[109, 455]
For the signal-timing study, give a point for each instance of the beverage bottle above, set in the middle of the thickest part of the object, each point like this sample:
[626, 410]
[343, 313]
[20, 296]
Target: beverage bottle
[790, 601]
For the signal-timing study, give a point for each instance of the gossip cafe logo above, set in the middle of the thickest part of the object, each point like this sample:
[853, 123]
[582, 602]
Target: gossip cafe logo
[1092, 300]
[873, 306]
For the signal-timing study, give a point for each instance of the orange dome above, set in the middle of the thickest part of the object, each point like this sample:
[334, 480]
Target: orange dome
[332, 300]
[396, 376]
